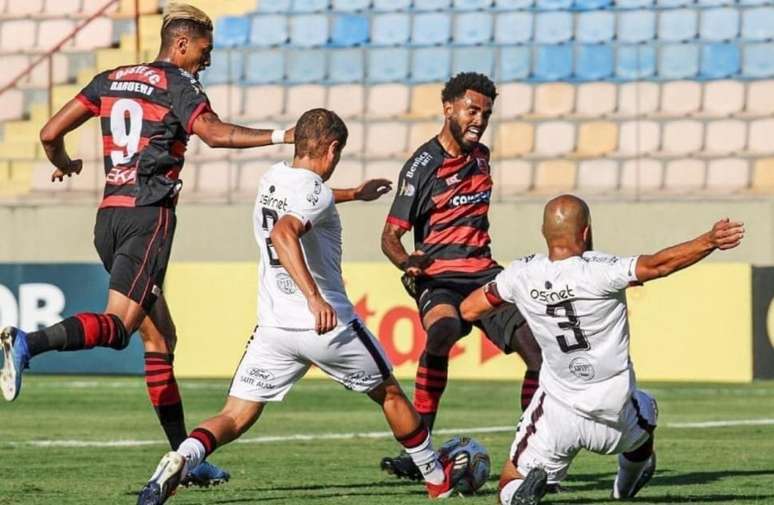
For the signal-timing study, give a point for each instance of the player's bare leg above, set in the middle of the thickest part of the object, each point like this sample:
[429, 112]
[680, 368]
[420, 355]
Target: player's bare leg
[518, 489]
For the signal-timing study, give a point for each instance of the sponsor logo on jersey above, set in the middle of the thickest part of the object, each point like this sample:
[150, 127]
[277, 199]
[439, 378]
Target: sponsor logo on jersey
[314, 196]
[142, 73]
[136, 87]
[482, 165]
[285, 284]
[281, 204]
[551, 296]
[582, 369]
[471, 199]
[260, 377]
[120, 175]
[454, 179]
[407, 189]
[359, 380]
[420, 161]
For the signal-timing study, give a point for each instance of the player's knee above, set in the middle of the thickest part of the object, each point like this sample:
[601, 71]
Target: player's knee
[122, 336]
[442, 334]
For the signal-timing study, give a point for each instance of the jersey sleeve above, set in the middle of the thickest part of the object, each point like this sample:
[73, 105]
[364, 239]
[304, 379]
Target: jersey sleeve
[91, 95]
[506, 281]
[189, 101]
[312, 203]
[403, 212]
[615, 273]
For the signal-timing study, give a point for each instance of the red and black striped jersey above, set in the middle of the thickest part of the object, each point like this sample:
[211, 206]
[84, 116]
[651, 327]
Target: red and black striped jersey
[446, 201]
[146, 114]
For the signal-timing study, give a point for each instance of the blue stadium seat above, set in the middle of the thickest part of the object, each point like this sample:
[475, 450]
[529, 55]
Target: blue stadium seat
[719, 24]
[514, 64]
[512, 5]
[431, 29]
[231, 31]
[594, 62]
[269, 31]
[226, 67]
[593, 27]
[306, 65]
[349, 30]
[636, 26]
[712, 3]
[589, 5]
[275, 6]
[755, 2]
[391, 5]
[678, 61]
[390, 29]
[513, 28]
[431, 5]
[758, 24]
[758, 60]
[309, 5]
[471, 28]
[388, 65]
[350, 5]
[553, 5]
[345, 65]
[309, 30]
[553, 63]
[264, 67]
[633, 4]
[635, 62]
[673, 3]
[431, 64]
[719, 60]
[553, 27]
[677, 25]
[474, 59]
[471, 5]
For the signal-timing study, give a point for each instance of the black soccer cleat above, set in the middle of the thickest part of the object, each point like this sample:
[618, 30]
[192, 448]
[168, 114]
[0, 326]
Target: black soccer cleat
[164, 480]
[532, 488]
[401, 466]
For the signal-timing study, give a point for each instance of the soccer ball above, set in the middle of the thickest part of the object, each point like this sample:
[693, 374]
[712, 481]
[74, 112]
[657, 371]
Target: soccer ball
[478, 464]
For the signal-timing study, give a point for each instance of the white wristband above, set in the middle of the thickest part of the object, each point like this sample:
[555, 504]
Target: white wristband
[278, 137]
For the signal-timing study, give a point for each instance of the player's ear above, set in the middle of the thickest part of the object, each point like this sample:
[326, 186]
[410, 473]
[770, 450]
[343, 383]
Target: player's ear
[182, 44]
[587, 238]
[333, 149]
[448, 109]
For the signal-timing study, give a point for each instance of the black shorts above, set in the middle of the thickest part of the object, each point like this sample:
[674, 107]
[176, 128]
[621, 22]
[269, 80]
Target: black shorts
[134, 244]
[499, 327]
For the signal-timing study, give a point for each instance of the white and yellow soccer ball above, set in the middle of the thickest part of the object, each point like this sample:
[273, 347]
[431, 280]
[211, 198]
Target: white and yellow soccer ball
[478, 467]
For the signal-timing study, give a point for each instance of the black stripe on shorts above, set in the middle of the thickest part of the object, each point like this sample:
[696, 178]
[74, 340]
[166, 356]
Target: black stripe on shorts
[372, 350]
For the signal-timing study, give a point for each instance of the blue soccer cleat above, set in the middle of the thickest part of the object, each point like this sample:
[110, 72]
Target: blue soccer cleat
[206, 475]
[16, 357]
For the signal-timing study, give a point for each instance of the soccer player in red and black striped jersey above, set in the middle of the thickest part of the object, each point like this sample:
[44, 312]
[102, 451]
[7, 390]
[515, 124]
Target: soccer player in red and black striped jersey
[443, 194]
[147, 114]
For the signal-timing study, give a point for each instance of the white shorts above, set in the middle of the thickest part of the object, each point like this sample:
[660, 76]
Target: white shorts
[550, 434]
[277, 358]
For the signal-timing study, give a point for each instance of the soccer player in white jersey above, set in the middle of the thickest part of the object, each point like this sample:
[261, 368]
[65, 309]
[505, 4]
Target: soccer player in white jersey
[574, 302]
[304, 314]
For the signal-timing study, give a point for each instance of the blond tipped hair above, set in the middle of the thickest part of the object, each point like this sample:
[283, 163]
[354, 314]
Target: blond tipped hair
[179, 11]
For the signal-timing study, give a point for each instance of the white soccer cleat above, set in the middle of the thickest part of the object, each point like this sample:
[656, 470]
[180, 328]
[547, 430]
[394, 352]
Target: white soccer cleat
[628, 485]
[164, 480]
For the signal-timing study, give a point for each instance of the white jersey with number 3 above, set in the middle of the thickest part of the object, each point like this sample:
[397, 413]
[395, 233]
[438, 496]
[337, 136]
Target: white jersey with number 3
[576, 309]
[302, 194]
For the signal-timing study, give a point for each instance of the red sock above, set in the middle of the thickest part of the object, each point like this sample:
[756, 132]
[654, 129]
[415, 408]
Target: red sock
[206, 438]
[431, 378]
[528, 388]
[165, 396]
[102, 330]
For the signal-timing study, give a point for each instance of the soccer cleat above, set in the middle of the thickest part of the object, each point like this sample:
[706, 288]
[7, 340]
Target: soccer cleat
[453, 471]
[205, 475]
[532, 488]
[401, 466]
[164, 480]
[646, 474]
[16, 357]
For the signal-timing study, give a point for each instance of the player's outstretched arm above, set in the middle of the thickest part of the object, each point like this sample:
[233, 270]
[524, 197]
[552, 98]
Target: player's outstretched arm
[285, 237]
[368, 191]
[725, 234]
[413, 264]
[216, 133]
[68, 118]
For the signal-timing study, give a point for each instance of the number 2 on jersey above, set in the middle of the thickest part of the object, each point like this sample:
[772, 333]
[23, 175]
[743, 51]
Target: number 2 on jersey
[270, 218]
[581, 343]
[128, 139]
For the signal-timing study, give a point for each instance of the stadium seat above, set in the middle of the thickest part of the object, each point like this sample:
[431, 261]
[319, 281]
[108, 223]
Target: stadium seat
[474, 59]
[725, 137]
[554, 99]
[57, 7]
[550, 5]
[513, 100]
[678, 61]
[41, 180]
[349, 30]
[19, 8]
[641, 175]
[554, 138]
[760, 98]
[309, 5]
[677, 25]
[471, 5]
[636, 26]
[597, 176]
[305, 65]
[679, 98]
[274, 6]
[431, 64]
[719, 60]
[595, 99]
[638, 138]
[420, 132]
[13, 65]
[754, 2]
[514, 63]
[268, 31]
[391, 5]
[216, 179]
[684, 175]
[98, 33]
[231, 31]
[471, 28]
[226, 100]
[728, 175]
[226, 67]
[718, 25]
[682, 137]
[350, 5]
[758, 24]
[512, 177]
[758, 60]
[760, 140]
[348, 174]
[554, 176]
[386, 140]
[513, 28]
[304, 97]
[426, 101]
[596, 139]
[633, 4]
[712, 3]
[593, 62]
[673, 3]
[387, 100]
[722, 98]
[635, 62]
[355, 140]
[390, 29]
[264, 67]
[514, 139]
[18, 35]
[53, 31]
[263, 102]
[595, 27]
[431, 28]
[638, 99]
[249, 178]
[512, 5]
[553, 27]
[382, 169]
[388, 65]
[553, 63]
[589, 5]
[763, 175]
[309, 30]
[431, 5]
[346, 65]
[347, 100]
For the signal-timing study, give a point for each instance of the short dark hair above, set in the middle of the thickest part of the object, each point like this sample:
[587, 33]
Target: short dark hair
[457, 86]
[174, 28]
[315, 130]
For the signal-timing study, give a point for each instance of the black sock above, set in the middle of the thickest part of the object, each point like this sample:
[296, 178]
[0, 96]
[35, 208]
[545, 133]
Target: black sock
[65, 335]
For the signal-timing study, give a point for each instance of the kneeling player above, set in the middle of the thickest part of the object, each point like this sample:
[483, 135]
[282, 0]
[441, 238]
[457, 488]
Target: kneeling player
[304, 314]
[574, 301]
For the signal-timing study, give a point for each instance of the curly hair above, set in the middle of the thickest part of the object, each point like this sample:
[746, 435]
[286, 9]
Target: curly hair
[457, 86]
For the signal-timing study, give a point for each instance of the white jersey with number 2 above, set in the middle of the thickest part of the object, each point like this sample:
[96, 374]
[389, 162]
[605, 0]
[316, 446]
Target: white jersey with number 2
[302, 194]
[576, 309]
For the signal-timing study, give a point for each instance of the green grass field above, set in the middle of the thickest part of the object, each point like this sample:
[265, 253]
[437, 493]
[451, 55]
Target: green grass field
[718, 465]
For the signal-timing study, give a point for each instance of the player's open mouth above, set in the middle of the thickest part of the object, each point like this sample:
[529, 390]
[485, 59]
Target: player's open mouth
[473, 134]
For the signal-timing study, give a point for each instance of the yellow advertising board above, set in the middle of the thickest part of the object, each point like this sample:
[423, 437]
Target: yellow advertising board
[695, 325]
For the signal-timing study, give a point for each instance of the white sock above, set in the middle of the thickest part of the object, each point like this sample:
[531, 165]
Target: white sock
[426, 460]
[193, 451]
[506, 494]
[628, 473]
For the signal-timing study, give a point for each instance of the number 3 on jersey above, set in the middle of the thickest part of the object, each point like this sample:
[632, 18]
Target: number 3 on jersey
[581, 344]
[270, 218]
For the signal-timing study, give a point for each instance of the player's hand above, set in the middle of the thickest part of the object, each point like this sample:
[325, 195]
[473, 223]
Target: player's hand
[290, 135]
[74, 167]
[324, 315]
[373, 189]
[726, 234]
[417, 263]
